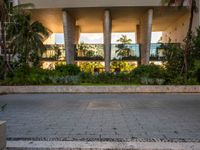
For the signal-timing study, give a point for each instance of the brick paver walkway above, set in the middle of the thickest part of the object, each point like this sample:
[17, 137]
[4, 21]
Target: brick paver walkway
[102, 116]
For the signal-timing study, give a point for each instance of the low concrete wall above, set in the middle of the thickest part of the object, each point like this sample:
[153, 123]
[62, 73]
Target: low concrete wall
[2, 135]
[99, 89]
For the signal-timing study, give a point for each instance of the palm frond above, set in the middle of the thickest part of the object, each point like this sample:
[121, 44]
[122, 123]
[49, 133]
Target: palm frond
[22, 6]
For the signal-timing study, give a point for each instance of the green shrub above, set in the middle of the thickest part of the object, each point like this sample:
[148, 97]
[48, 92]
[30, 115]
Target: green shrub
[198, 75]
[107, 78]
[86, 77]
[173, 59]
[65, 70]
[176, 80]
[123, 66]
[149, 74]
[151, 71]
[71, 80]
[25, 75]
[1, 68]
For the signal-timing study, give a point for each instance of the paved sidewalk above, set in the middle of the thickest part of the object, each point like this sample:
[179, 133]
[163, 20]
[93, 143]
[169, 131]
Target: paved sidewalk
[102, 116]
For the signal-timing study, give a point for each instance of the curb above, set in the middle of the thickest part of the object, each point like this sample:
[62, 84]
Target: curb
[78, 145]
[99, 89]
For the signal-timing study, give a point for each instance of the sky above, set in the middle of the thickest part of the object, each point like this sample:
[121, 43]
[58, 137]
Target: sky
[97, 38]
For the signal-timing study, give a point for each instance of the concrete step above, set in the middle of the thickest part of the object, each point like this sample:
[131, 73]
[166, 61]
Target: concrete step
[97, 145]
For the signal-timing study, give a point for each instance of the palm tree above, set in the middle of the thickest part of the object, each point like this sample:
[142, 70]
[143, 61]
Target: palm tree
[188, 40]
[26, 37]
[123, 50]
[7, 10]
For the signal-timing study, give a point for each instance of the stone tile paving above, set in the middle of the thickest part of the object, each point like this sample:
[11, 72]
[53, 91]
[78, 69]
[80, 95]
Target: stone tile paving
[102, 116]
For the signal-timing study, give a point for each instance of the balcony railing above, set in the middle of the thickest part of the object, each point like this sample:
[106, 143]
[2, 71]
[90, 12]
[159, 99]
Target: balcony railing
[54, 52]
[157, 52]
[89, 52]
[125, 52]
[95, 52]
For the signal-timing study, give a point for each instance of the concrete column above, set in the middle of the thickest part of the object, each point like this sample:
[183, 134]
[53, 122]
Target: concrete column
[69, 36]
[145, 36]
[107, 30]
[77, 35]
[137, 34]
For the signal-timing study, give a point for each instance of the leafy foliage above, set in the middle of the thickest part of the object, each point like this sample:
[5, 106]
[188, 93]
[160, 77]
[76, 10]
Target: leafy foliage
[123, 66]
[123, 50]
[173, 58]
[107, 78]
[26, 75]
[86, 51]
[149, 74]
[195, 54]
[89, 67]
[65, 70]
[26, 37]
[1, 68]
[188, 38]
[198, 75]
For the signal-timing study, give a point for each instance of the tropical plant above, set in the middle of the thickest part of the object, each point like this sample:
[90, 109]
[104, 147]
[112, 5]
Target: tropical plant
[89, 67]
[195, 53]
[149, 74]
[123, 66]
[188, 39]
[69, 69]
[26, 37]
[1, 68]
[58, 52]
[7, 11]
[198, 75]
[90, 53]
[122, 48]
[83, 48]
[4, 15]
[173, 58]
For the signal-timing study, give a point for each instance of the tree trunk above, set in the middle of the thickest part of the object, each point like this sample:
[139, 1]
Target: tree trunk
[188, 45]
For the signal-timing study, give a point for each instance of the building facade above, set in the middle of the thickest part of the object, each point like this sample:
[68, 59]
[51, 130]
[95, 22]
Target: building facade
[73, 17]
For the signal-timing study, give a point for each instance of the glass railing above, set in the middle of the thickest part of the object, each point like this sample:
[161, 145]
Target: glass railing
[155, 55]
[125, 52]
[54, 52]
[89, 52]
[157, 52]
[95, 52]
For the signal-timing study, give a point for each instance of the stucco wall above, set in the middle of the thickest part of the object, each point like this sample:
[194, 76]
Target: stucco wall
[177, 31]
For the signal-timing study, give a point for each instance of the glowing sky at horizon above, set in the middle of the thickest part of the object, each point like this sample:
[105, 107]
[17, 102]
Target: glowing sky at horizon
[97, 38]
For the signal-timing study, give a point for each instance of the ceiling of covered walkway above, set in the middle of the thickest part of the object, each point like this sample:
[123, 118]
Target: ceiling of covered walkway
[124, 19]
